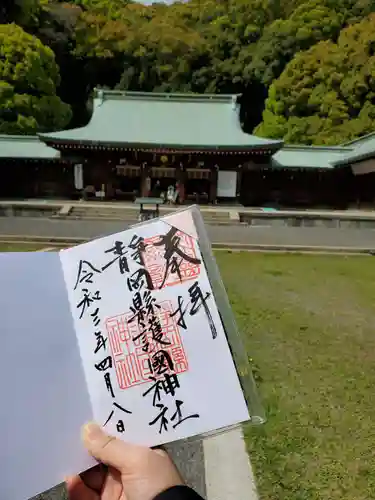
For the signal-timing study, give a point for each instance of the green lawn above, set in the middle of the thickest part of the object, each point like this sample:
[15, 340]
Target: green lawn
[309, 325]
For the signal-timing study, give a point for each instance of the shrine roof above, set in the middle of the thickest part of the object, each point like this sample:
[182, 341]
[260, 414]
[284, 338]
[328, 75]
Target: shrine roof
[362, 148]
[181, 122]
[312, 157]
[27, 147]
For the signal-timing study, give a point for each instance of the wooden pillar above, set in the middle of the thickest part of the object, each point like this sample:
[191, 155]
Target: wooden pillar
[213, 184]
[145, 180]
[181, 179]
[102, 175]
[108, 179]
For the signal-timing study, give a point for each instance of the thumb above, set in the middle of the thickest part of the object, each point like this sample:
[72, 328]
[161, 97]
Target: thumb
[107, 449]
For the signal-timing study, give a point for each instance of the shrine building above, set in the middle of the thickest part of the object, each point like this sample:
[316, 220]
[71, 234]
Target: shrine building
[138, 143]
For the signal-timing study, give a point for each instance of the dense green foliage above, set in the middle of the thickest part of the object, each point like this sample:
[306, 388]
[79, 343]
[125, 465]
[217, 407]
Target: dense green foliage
[28, 79]
[326, 95]
[305, 67]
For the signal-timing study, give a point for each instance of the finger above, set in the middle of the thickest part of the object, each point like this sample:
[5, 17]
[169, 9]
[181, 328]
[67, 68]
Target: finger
[159, 447]
[109, 450]
[112, 488]
[77, 490]
[162, 453]
[94, 478]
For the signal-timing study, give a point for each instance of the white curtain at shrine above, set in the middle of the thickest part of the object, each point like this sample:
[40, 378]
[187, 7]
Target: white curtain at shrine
[227, 184]
[78, 176]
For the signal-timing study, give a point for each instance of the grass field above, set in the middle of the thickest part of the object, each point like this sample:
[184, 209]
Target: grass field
[308, 323]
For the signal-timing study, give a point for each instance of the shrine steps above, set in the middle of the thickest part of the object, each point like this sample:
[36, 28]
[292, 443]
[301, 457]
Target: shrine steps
[82, 212]
[129, 215]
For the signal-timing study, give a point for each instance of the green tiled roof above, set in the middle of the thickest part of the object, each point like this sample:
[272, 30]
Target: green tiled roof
[361, 149]
[308, 156]
[22, 146]
[172, 121]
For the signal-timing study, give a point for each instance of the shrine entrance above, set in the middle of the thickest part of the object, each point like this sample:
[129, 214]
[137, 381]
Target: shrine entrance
[161, 179]
[127, 182]
[198, 185]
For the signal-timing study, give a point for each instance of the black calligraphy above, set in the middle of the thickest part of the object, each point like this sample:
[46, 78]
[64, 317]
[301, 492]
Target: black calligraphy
[140, 278]
[144, 310]
[120, 255]
[87, 299]
[138, 245]
[165, 393]
[85, 273]
[168, 385]
[197, 299]
[90, 303]
[173, 254]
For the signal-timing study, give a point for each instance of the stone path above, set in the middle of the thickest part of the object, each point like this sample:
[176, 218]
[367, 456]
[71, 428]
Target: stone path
[314, 236]
[204, 208]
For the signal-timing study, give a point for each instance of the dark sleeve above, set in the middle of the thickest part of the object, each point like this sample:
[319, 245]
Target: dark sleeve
[178, 493]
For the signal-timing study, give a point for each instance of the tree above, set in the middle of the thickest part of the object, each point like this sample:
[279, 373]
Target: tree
[161, 54]
[310, 22]
[29, 77]
[19, 11]
[326, 95]
[213, 46]
[231, 30]
[139, 48]
[108, 7]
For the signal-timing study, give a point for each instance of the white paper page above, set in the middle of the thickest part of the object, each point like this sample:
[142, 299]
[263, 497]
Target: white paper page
[195, 387]
[44, 399]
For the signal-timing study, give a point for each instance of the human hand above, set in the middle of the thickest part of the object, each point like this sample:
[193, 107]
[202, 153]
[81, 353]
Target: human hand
[133, 473]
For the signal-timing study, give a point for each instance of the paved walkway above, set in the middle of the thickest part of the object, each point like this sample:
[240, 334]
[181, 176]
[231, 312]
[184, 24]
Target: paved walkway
[266, 235]
[113, 204]
[229, 474]
[366, 213]
[217, 467]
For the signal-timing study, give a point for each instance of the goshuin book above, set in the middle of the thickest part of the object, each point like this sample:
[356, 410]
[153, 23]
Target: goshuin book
[133, 330]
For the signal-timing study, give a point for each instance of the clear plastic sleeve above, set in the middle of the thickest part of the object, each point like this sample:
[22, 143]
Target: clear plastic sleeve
[236, 345]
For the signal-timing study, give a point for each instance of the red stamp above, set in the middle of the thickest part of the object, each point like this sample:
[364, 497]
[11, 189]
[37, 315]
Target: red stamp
[134, 365]
[156, 264]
